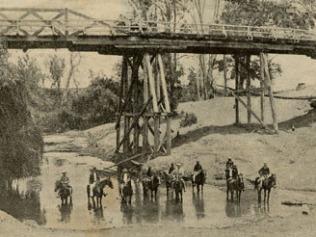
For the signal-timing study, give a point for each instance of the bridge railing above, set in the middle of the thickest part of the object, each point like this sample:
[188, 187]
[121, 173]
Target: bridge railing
[31, 22]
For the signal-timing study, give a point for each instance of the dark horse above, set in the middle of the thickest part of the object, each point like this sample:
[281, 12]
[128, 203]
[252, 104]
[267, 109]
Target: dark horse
[169, 182]
[178, 189]
[199, 181]
[266, 186]
[98, 191]
[235, 185]
[63, 192]
[152, 185]
[126, 192]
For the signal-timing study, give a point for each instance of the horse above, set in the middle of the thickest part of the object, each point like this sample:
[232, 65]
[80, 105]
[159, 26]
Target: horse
[127, 192]
[178, 186]
[98, 191]
[168, 180]
[63, 192]
[266, 186]
[152, 185]
[199, 181]
[235, 185]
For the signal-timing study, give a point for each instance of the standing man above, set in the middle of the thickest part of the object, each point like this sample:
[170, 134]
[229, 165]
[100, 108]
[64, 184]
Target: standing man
[180, 174]
[93, 179]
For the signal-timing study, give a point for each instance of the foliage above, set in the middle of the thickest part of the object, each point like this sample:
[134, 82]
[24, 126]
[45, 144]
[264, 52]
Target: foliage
[263, 13]
[21, 144]
[188, 120]
[98, 103]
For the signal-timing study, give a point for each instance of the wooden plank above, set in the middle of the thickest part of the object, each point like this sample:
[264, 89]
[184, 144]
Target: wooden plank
[145, 125]
[270, 91]
[127, 133]
[124, 74]
[262, 88]
[151, 83]
[248, 87]
[251, 111]
[168, 134]
[237, 121]
[163, 83]
[156, 133]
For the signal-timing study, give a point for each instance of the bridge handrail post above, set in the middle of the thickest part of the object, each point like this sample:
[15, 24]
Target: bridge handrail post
[66, 22]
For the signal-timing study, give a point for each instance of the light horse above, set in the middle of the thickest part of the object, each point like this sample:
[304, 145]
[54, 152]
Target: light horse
[235, 185]
[266, 185]
[64, 193]
[98, 191]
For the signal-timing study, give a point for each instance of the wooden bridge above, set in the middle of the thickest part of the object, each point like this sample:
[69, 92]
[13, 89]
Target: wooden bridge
[143, 120]
[27, 28]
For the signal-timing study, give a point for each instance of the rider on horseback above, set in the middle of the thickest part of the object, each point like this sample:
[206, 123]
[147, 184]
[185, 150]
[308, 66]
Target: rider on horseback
[230, 171]
[264, 173]
[94, 178]
[171, 169]
[180, 174]
[65, 181]
[196, 170]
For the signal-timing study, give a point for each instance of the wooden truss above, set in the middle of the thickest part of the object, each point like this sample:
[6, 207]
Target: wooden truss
[143, 120]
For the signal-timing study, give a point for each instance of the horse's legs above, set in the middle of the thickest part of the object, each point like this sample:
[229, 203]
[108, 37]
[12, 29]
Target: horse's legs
[268, 200]
[259, 196]
[265, 195]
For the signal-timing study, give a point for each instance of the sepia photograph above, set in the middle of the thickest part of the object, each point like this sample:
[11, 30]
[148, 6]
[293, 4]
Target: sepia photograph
[157, 118]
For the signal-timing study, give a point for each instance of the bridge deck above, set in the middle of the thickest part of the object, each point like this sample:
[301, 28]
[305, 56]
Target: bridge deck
[28, 28]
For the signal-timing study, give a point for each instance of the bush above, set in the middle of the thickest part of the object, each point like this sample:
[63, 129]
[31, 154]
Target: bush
[188, 120]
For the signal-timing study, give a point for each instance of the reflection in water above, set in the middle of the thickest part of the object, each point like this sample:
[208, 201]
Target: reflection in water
[127, 213]
[21, 200]
[198, 203]
[65, 212]
[98, 215]
[174, 210]
[232, 209]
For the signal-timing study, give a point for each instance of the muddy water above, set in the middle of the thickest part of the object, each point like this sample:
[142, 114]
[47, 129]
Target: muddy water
[34, 200]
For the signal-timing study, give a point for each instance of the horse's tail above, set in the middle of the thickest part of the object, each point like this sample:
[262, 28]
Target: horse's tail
[88, 190]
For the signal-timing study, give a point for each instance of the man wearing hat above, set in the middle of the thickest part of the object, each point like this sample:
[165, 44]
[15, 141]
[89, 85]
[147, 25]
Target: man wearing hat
[264, 173]
[93, 179]
[180, 174]
[65, 181]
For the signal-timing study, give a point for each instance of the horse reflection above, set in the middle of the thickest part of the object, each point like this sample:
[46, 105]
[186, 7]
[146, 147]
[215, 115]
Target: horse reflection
[98, 215]
[198, 203]
[65, 212]
[174, 210]
[232, 209]
[262, 210]
[128, 212]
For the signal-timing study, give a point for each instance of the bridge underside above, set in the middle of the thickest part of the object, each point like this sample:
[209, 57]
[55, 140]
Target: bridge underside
[140, 43]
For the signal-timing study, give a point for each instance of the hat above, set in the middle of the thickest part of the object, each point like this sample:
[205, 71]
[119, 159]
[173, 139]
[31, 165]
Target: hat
[64, 172]
[124, 170]
[179, 164]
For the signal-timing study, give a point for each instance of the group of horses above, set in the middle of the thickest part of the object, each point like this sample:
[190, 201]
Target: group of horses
[236, 186]
[174, 186]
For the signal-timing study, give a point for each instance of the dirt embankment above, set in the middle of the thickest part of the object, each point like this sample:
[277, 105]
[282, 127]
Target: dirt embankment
[214, 139]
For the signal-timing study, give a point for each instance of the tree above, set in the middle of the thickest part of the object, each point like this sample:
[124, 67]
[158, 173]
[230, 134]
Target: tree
[56, 70]
[74, 62]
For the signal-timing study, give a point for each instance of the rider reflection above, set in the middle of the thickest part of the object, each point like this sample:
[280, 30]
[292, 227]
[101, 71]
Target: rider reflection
[198, 203]
[232, 209]
[174, 210]
[127, 213]
[65, 212]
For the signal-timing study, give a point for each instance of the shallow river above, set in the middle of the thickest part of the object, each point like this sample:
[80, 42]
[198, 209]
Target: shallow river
[34, 200]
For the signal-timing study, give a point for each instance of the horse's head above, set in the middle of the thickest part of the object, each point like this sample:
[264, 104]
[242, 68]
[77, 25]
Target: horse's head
[273, 180]
[57, 185]
[110, 183]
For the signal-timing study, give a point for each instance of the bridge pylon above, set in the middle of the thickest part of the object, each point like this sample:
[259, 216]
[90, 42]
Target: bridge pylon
[143, 118]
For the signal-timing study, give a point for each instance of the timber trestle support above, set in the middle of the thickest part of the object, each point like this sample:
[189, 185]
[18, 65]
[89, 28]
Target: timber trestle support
[143, 118]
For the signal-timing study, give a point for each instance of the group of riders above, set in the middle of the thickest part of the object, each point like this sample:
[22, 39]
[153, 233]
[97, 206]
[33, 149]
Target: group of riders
[175, 172]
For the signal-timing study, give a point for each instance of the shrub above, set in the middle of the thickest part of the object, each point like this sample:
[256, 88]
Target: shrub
[188, 120]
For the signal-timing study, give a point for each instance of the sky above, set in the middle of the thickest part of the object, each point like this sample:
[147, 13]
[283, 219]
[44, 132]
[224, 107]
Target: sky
[296, 69]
